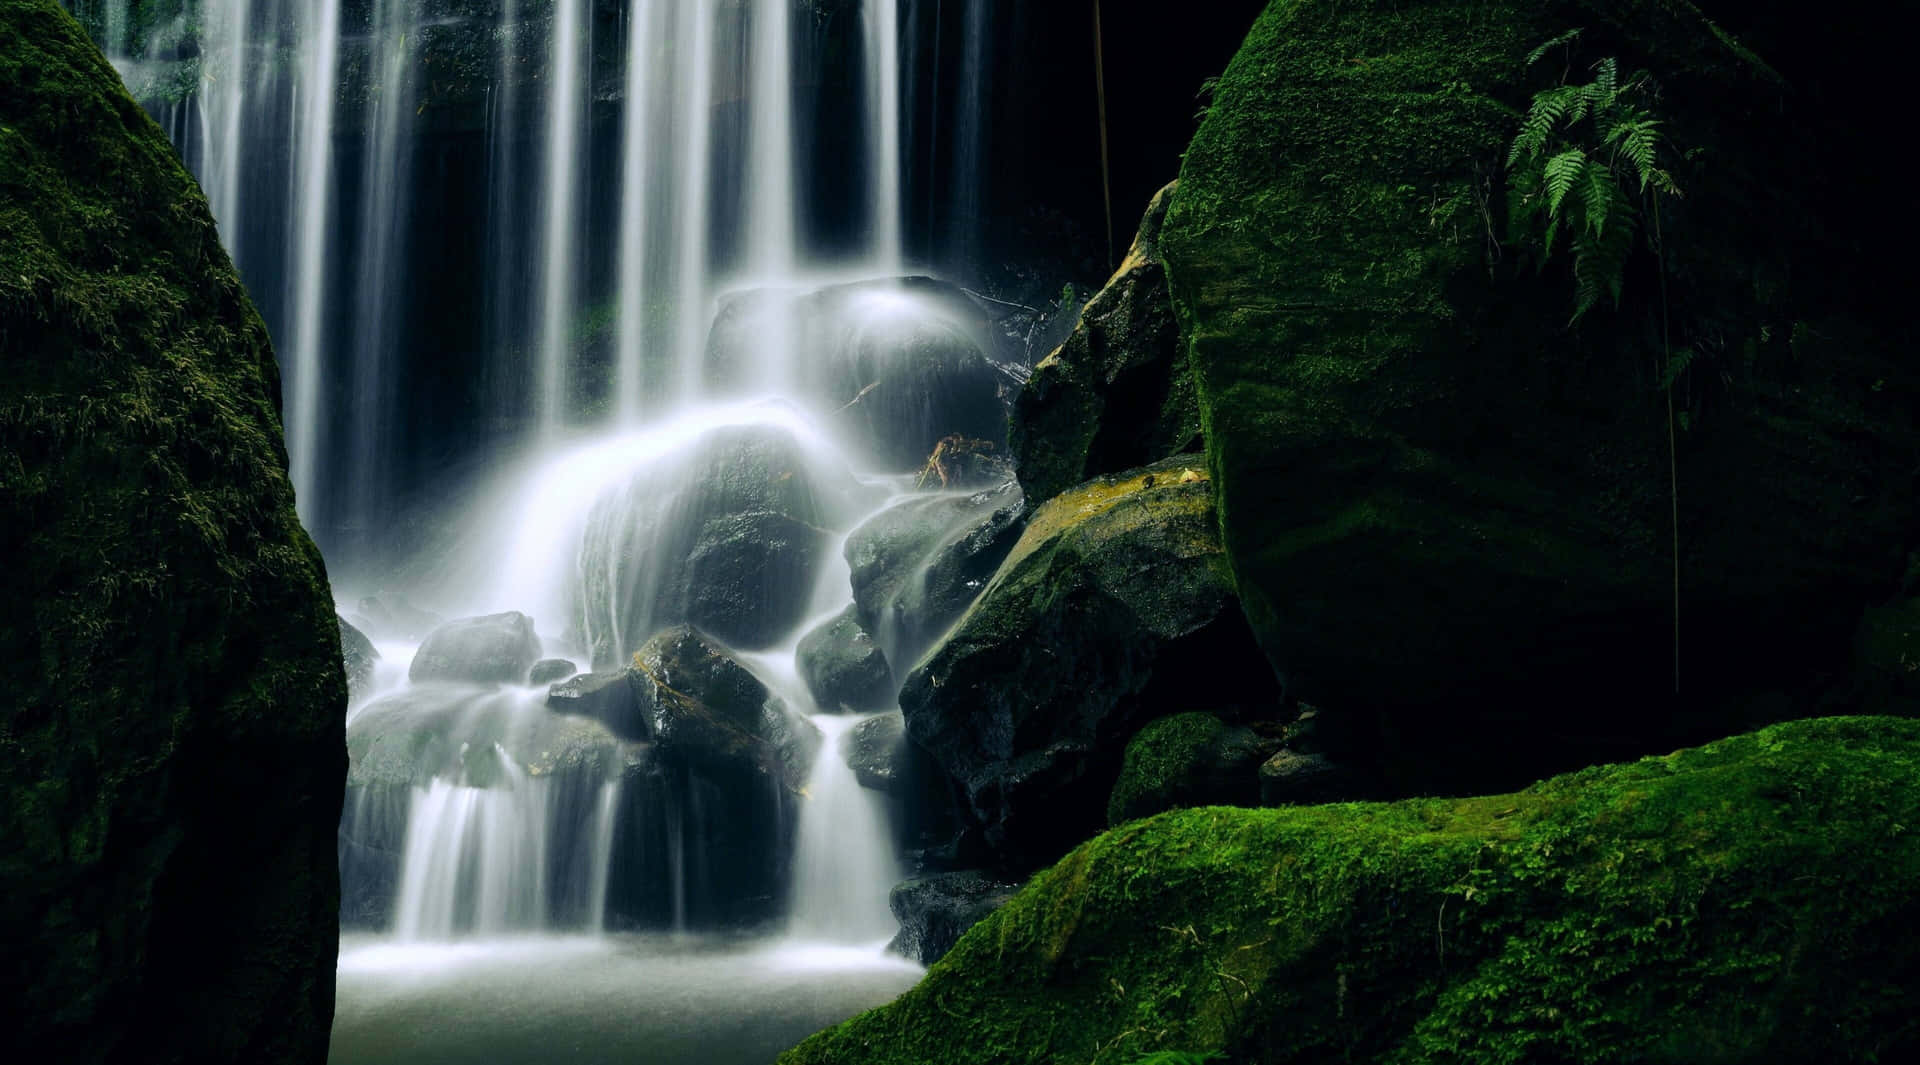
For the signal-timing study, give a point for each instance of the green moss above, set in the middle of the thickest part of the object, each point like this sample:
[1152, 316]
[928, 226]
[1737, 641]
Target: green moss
[168, 646]
[1416, 461]
[1747, 901]
[1159, 761]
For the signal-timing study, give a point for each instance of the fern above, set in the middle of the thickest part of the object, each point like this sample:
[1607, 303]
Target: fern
[1577, 150]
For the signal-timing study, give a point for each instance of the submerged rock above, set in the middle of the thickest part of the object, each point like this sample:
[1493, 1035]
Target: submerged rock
[169, 655]
[917, 566]
[844, 670]
[358, 655]
[1746, 897]
[1446, 510]
[1113, 607]
[1117, 394]
[1189, 760]
[935, 911]
[496, 649]
[902, 362]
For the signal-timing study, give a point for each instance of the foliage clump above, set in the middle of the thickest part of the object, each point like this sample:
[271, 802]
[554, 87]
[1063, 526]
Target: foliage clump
[1749, 900]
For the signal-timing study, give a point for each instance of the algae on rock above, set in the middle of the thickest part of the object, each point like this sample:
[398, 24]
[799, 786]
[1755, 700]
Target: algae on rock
[1750, 900]
[175, 692]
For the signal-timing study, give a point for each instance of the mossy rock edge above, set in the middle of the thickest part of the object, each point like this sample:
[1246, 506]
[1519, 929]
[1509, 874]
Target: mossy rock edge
[1747, 901]
[173, 724]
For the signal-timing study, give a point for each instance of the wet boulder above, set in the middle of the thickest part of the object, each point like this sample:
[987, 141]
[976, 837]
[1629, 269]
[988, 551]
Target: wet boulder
[1189, 760]
[358, 655]
[727, 531]
[1117, 394]
[496, 649]
[917, 566]
[878, 752]
[551, 671]
[935, 911]
[1113, 606]
[171, 690]
[474, 735]
[902, 362]
[845, 671]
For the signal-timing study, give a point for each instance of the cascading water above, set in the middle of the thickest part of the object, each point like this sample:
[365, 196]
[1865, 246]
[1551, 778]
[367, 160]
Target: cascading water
[696, 408]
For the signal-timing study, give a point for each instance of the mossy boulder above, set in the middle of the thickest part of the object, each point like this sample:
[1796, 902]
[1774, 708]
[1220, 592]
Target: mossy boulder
[1189, 760]
[1114, 605]
[1449, 514]
[172, 724]
[1117, 394]
[1747, 901]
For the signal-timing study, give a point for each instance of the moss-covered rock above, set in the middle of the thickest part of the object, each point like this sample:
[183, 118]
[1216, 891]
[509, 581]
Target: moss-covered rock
[1434, 494]
[1118, 393]
[1113, 605]
[1747, 901]
[1189, 760]
[172, 724]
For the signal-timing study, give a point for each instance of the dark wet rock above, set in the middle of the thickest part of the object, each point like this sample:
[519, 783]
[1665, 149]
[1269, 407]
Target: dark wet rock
[844, 669]
[1189, 760]
[1114, 605]
[496, 649]
[962, 465]
[358, 656]
[902, 363]
[551, 671]
[609, 698]
[916, 567]
[878, 751]
[727, 533]
[1296, 778]
[1117, 394]
[169, 654]
[935, 911]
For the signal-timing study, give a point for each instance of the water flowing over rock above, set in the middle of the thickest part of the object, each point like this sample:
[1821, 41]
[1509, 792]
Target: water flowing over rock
[902, 363]
[168, 645]
[917, 566]
[358, 656]
[1118, 394]
[844, 670]
[878, 751]
[1111, 610]
[551, 671]
[497, 649]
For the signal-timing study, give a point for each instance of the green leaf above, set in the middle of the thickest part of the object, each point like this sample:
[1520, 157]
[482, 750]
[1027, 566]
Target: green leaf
[1559, 175]
[1566, 38]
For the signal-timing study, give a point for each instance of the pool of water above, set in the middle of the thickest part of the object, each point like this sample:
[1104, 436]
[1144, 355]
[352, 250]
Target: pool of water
[632, 1000]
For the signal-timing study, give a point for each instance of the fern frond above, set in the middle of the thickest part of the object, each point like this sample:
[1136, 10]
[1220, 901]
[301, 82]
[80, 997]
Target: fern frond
[1548, 109]
[1559, 175]
[1598, 195]
[1606, 78]
[1566, 38]
[1662, 182]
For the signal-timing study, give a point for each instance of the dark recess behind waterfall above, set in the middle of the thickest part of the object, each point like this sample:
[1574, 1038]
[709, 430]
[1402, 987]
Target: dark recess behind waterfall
[1019, 220]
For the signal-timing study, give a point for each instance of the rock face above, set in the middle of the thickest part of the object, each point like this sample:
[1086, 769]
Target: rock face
[358, 655]
[1228, 927]
[917, 567]
[497, 649]
[902, 361]
[935, 911]
[1118, 393]
[844, 670]
[1113, 606]
[168, 646]
[726, 533]
[1188, 760]
[1433, 493]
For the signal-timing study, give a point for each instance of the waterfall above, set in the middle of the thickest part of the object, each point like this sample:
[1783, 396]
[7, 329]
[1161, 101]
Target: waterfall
[560, 246]
[643, 31]
[230, 23]
[844, 865]
[883, 104]
[319, 66]
[693, 34]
